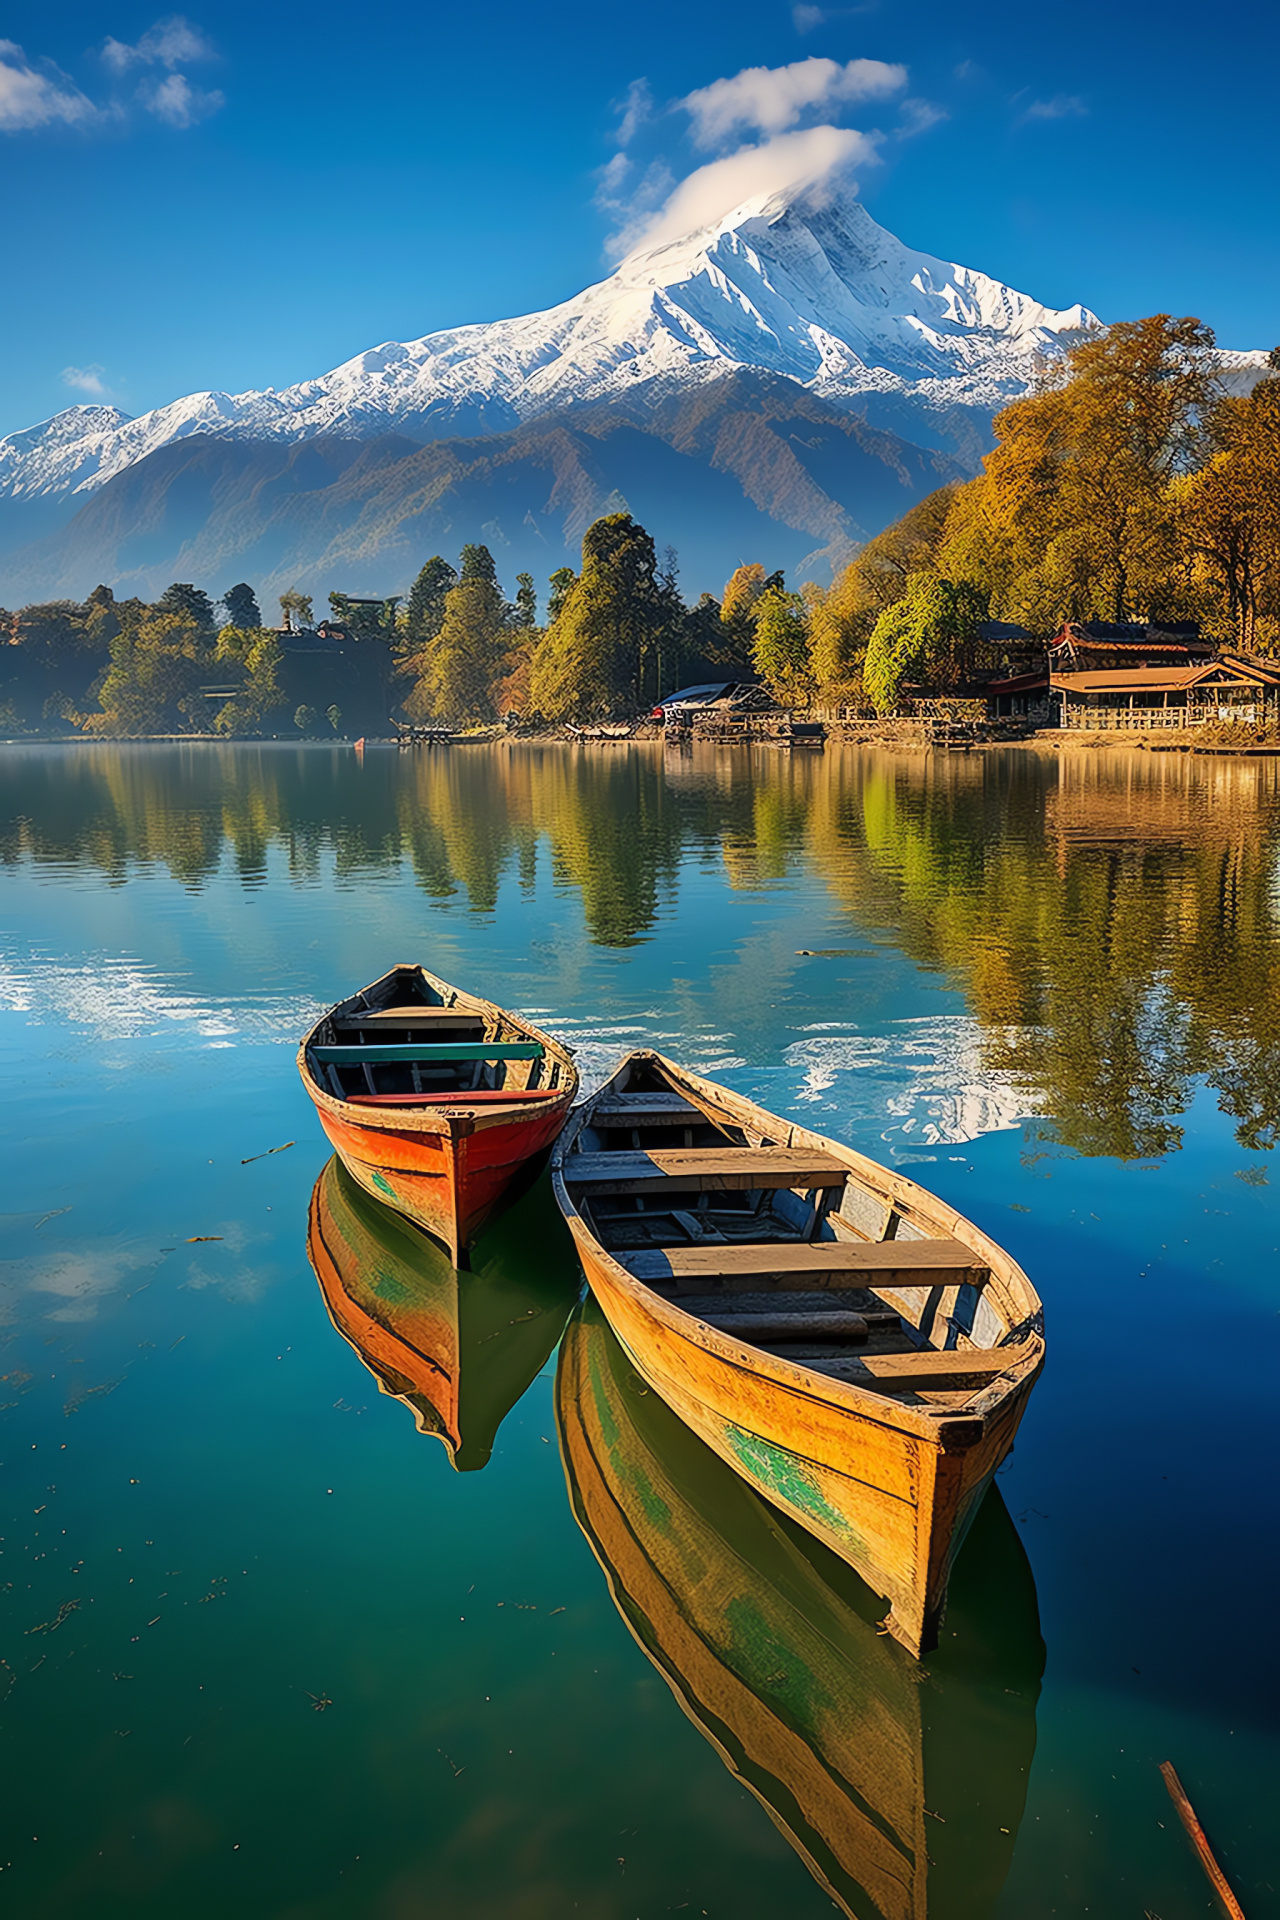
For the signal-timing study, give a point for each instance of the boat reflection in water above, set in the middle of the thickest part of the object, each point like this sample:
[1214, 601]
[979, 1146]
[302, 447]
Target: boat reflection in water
[900, 1786]
[458, 1348]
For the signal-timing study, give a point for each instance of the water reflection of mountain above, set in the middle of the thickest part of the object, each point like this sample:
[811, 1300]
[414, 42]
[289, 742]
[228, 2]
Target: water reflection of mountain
[1112, 918]
[901, 1789]
[458, 1349]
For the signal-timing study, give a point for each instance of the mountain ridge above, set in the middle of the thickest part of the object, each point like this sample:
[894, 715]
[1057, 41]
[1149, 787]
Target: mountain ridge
[793, 315]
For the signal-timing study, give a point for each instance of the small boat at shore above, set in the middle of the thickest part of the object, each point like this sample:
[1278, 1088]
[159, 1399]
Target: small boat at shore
[459, 1349]
[770, 1646]
[433, 1099]
[855, 1349]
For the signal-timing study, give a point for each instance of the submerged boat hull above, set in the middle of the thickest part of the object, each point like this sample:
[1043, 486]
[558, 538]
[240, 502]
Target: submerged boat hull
[459, 1349]
[890, 1487]
[445, 1161]
[771, 1649]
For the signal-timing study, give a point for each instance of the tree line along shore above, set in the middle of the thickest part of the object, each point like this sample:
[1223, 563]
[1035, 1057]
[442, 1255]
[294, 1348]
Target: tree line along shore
[1129, 485]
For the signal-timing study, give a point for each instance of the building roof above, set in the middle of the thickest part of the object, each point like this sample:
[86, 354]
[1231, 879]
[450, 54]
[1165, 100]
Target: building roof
[1099, 631]
[1226, 673]
[1156, 644]
[1019, 682]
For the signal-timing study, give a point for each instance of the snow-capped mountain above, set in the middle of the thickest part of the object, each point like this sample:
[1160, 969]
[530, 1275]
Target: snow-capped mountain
[800, 284]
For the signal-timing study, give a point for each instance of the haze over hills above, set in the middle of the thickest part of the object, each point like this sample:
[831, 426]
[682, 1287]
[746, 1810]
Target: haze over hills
[778, 385]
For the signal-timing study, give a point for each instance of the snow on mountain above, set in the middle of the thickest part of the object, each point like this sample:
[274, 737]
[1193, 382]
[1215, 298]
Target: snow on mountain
[802, 283]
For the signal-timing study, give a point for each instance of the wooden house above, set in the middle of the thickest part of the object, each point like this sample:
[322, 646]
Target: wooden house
[1212, 690]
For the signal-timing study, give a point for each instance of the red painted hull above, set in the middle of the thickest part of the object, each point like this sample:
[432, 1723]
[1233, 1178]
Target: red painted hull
[451, 1182]
[446, 1163]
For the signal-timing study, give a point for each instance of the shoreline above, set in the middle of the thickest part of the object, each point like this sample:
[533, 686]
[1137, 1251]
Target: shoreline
[1046, 741]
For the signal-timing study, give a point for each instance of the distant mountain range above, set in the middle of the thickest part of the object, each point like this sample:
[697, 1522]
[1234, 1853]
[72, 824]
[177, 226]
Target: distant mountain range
[777, 386]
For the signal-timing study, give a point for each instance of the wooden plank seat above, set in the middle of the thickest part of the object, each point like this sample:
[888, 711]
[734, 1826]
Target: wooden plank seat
[704, 1170]
[926, 1369]
[425, 1054]
[807, 1264]
[468, 1096]
[455, 1019]
[646, 1110]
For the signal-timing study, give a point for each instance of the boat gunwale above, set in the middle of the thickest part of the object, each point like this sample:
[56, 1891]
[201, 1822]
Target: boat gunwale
[440, 1121]
[953, 1429]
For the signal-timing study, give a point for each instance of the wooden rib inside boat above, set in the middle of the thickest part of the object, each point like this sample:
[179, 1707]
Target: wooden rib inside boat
[434, 1099]
[848, 1343]
[902, 1792]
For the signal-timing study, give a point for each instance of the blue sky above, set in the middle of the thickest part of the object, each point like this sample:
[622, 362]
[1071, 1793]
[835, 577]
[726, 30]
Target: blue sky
[247, 195]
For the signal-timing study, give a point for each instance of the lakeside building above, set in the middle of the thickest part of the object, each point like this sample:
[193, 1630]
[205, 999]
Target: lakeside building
[1225, 688]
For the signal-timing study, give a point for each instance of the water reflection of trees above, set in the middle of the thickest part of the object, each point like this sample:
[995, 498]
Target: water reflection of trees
[1113, 919]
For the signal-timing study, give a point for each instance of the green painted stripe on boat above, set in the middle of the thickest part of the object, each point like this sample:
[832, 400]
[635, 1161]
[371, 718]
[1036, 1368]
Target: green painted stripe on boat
[427, 1055]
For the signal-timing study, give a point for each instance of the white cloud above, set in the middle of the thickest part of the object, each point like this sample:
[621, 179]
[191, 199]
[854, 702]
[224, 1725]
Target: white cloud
[635, 107]
[175, 101]
[171, 42]
[917, 116]
[34, 93]
[86, 380]
[805, 18]
[1063, 106]
[37, 94]
[770, 99]
[790, 160]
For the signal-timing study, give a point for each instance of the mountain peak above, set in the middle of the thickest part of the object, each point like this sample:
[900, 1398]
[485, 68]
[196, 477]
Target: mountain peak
[800, 283]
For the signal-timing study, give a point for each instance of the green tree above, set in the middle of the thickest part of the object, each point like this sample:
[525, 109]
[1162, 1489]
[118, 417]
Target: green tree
[599, 656]
[525, 617]
[929, 634]
[459, 667]
[780, 650]
[365, 619]
[1076, 515]
[424, 611]
[1231, 518]
[562, 583]
[255, 655]
[182, 597]
[296, 608]
[241, 607]
[476, 563]
[101, 620]
[153, 682]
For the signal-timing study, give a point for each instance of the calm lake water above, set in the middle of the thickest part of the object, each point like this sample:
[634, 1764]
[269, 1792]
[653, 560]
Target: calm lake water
[265, 1652]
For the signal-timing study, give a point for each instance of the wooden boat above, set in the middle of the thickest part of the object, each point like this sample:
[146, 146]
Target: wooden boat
[901, 1791]
[458, 1349]
[855, 1349]
[433, 1099]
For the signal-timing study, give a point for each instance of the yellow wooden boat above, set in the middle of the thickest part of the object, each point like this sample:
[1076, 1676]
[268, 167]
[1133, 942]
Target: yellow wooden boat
[901, 1791]
[860, 1353]
[459, 1349]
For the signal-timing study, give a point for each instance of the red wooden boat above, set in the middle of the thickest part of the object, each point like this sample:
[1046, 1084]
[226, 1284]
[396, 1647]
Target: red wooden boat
[434, 1099]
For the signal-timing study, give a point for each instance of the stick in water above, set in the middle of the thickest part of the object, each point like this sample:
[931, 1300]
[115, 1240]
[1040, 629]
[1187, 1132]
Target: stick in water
[1187, 1815]
[262, 1156]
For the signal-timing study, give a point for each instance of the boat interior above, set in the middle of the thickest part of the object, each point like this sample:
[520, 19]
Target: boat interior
[407, 1041]
[782, 1247]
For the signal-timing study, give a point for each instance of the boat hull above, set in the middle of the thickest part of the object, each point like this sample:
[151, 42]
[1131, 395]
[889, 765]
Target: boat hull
[895, 1505]
[772, 1651]
[446, 1162]
[449, 1182]
[890, 1488]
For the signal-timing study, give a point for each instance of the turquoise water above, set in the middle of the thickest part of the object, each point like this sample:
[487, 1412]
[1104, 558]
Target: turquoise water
[265, 1651]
